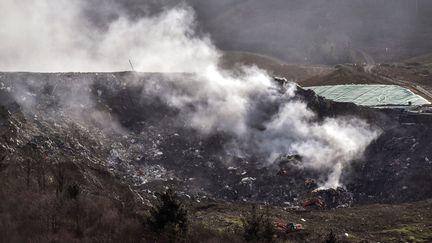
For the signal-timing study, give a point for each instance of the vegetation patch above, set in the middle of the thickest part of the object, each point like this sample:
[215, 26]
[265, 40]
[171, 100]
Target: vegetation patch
[410, 233]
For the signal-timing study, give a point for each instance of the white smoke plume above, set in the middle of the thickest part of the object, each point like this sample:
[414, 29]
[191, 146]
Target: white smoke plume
[55, 36]
[330, 144]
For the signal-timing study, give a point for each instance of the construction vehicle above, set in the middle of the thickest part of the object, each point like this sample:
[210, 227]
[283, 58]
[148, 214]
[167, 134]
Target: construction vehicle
[288, 227]
[314, 202]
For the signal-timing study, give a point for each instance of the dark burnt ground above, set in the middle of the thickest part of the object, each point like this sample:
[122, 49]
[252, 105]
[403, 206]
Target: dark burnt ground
[397, 166]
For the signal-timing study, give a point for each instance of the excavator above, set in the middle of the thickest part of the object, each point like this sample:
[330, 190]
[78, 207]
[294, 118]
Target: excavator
[314, 202]
[288, 227]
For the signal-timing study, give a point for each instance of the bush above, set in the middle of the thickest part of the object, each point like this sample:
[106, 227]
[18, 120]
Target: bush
[258, 227]
[331, 238]
[168, 217]
[73, 191]
[268, 228]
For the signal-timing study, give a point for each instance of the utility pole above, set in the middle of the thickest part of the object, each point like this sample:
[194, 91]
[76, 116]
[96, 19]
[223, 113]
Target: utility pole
[133, 69]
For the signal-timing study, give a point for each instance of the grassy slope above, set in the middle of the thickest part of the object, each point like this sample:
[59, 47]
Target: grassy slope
[427, 58]
[384, 223]
[275, 67]
[305, 75]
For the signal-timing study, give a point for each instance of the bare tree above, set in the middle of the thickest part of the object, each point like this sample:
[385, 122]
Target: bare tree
[59, 176]
[27, 169]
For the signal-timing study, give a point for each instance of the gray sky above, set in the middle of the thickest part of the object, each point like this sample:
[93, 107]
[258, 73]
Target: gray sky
[315, 31]
[297, 31]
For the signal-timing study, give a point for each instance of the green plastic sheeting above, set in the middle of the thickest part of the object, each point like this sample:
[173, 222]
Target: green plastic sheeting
[370, 95]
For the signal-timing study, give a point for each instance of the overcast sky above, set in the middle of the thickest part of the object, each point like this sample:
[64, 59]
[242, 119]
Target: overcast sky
[315, 31]
[297, 31]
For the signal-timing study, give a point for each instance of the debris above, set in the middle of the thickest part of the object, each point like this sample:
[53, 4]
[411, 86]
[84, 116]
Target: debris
[282, 81]
[334, 198]
[311, 184]
[248, 180]
[282, 172]
[138, 158]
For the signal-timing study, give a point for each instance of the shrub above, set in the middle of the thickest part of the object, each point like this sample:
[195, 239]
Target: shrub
[258, 227]
[73, 191]
[168, 217]
[331, 238]
[268, 227]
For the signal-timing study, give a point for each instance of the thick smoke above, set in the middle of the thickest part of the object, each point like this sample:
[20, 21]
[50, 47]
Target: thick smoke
[56, 36]
[330, 144]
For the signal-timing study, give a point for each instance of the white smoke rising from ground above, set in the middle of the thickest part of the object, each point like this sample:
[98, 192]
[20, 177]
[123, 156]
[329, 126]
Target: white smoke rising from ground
[215, 100]
[73, 101]
[330, 144]
[55, 36]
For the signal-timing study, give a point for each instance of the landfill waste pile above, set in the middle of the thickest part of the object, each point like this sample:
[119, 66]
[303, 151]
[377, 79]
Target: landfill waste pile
[113, 129]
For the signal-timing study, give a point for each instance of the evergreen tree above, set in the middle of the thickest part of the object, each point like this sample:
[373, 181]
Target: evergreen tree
[331, 238]
[169, 216]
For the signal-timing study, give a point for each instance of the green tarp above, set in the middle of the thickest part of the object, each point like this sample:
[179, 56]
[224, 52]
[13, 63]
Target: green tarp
[370, 95]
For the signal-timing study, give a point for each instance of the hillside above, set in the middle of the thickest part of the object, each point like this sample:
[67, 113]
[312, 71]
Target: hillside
[120, 148]
[275, 67]
[328, 32]
[425, 59]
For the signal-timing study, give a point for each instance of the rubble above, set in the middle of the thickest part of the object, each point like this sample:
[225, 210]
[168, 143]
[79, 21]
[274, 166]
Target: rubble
[334, 198]
[152, 150]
